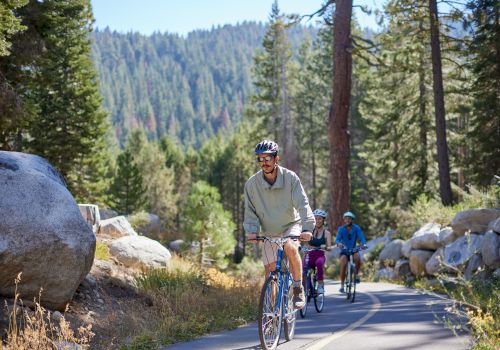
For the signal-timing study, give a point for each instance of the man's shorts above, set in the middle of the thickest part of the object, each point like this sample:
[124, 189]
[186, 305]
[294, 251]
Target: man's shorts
[270, 250]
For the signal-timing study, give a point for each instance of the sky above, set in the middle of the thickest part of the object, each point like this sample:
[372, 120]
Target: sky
[184, 16]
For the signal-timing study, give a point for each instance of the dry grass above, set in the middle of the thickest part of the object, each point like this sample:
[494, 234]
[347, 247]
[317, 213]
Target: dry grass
[36, 330]
[189, 302]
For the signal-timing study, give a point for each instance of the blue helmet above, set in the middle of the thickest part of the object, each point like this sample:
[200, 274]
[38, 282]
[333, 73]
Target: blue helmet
[266, 146]
[320, 212]
[349, 214]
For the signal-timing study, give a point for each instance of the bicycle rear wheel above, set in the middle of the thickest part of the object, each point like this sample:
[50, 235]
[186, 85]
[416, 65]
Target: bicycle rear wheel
[319, 298]
[306, 283]
[353, 279]
[290, 315]
[270, 314]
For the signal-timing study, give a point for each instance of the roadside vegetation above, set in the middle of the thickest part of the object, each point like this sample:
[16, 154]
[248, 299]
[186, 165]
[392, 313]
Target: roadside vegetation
[189, 301]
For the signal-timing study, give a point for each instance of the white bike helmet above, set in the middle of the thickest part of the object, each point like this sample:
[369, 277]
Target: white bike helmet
[320, 212]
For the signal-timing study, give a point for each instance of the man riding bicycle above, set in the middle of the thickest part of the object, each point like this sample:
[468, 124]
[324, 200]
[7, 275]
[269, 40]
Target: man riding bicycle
[347, 236]
[321, 238]
[276, 205]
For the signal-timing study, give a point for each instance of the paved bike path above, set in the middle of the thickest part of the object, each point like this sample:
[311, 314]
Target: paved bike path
[384, 316]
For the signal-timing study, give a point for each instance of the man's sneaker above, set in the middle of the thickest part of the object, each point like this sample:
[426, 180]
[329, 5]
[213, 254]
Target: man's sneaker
[356, 280]
[341, 290]
[299, 301]
[321, 289]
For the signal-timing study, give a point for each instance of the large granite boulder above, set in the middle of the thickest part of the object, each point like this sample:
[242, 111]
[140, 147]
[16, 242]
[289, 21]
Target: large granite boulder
[42, 233]
[457, 253]
[490, 250]
[391, 252]
[139, 252]
[474, 220]
[418, 259]
[116, 227]
[427, 237]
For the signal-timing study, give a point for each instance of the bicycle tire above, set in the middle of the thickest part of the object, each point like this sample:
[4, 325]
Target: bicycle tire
[319, 299]
[307, 292]
[289, 315]
[353, 295]
[348, 282]
[270, 315]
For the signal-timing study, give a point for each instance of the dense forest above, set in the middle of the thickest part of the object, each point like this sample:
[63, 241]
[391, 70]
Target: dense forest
[189, 88]
[413, 115]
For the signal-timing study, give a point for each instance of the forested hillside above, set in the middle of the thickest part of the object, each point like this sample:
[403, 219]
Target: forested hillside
[189, 88]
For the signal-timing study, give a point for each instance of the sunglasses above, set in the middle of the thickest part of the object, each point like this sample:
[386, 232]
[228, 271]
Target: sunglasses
[264, 159]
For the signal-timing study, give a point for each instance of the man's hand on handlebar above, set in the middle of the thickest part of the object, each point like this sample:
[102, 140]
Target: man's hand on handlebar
[252, 238]
[364, 247]
[305, 236]
[340, 245]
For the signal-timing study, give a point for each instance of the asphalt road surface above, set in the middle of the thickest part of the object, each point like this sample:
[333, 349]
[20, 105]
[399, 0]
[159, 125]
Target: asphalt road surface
[383, 317]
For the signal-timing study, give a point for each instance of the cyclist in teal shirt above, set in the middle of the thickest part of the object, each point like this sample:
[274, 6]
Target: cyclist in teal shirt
[347, 236]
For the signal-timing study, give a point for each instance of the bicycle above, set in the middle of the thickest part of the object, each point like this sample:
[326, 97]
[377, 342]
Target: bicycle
[350, 281]
[275, 302]
[310, 284]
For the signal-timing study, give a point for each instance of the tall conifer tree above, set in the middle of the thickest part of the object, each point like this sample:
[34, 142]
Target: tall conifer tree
[70, 125]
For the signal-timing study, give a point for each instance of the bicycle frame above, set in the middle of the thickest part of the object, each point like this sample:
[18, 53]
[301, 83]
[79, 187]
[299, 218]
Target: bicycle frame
[281, 311]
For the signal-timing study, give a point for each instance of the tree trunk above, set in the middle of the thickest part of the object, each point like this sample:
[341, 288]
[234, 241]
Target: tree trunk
[442, 147]
[423, 127]
[338, 133]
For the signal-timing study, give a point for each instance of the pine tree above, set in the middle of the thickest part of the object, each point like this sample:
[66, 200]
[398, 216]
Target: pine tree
[270, 104]
[484, 160]
[9, 24]
[127, 191]
[70, 125]
[206, 222]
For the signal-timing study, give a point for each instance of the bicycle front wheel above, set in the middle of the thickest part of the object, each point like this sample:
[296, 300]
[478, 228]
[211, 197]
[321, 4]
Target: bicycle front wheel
[353, 293]
[269, 318]
[319, 298]
[290, 315]
[306, 283]
[349, 282]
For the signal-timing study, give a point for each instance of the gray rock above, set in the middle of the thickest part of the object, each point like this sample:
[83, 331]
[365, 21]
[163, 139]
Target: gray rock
[494, 225]
[147, 224]
[418, 259]
[436, 264]
[490, 250]
[176, 246]
[474, 220]
[90, 213]
[427, 237]
[103, 265]
[496, 273]
[457, 253]
[406, 249]
[139, 251]
[474, 264]
[117, 227]
[42, 233]
[106, 213]
[446, 236]
[89, 282]
[391, 252]
[57, 316]
[402, 269]
[386, 273]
